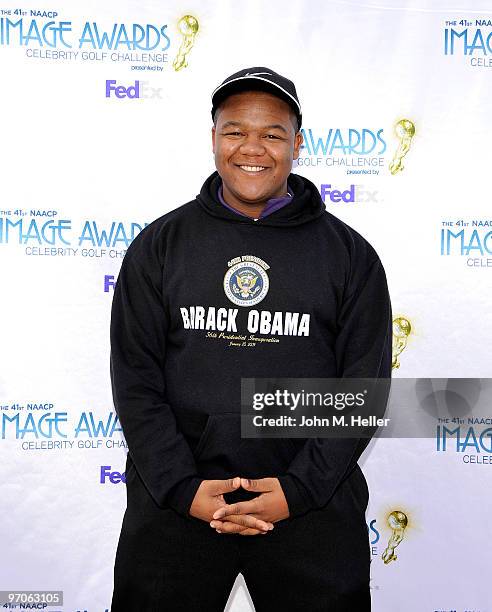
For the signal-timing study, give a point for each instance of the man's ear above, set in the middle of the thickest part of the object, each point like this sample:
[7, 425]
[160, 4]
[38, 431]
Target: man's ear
[213, 139]
[298, 140]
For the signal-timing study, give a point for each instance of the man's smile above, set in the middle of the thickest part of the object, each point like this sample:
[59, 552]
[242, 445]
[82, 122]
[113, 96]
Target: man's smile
[250, 169]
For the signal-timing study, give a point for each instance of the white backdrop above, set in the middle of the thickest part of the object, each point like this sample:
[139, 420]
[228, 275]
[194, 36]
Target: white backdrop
[75, 163]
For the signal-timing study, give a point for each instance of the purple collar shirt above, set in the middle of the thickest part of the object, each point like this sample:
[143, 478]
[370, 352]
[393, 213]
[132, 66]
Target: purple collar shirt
[272, 204]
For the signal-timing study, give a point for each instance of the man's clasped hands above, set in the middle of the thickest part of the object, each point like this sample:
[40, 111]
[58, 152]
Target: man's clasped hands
[252, 517]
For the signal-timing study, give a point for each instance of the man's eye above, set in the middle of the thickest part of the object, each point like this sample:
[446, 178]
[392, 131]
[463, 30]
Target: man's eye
[232, 134]
[272, 136]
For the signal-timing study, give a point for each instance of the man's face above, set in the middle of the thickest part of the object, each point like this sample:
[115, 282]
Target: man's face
[254, 143]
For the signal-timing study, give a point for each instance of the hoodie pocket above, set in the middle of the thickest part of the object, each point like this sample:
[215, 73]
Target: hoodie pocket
[220, 437]
[222, 453]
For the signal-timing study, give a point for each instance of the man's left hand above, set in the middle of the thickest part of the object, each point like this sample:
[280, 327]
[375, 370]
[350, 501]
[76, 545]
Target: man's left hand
[270, 506]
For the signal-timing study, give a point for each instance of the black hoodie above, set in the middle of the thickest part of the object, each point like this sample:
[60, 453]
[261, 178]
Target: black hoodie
[206, 296]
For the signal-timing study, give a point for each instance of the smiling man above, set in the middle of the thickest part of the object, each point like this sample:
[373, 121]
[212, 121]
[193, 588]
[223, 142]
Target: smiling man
[252, 278]
[255, 139]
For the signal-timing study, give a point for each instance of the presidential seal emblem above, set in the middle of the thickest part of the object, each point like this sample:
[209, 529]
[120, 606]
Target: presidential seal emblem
[246, 282]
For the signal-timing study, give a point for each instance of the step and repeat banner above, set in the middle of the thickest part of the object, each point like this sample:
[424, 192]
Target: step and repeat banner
[105, 126]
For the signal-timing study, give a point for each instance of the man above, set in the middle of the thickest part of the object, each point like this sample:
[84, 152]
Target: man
[252, 278]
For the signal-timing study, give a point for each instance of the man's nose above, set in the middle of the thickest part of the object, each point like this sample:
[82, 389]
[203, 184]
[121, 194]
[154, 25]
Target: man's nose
[252, 145]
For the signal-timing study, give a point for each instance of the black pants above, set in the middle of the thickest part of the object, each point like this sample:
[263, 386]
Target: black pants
[312, 563]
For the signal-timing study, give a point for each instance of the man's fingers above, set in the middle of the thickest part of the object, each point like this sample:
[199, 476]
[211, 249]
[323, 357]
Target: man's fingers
[227, 526]
[246, 532]
[245, 507]
[249, 532]
[262, 485]
[244, 520]
[218, 487]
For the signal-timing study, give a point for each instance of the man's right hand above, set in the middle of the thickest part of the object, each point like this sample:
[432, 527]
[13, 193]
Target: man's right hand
[210, 497]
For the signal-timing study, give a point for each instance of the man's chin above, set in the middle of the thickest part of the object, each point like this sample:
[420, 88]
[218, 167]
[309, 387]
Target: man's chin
[252, 196]
[253, 201]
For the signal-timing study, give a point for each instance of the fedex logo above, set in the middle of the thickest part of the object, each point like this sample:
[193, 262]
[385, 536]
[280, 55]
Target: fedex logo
[120, 91]
[355, 193]
[138, 91]
[336, 195]
[113, 477]
[109, 282]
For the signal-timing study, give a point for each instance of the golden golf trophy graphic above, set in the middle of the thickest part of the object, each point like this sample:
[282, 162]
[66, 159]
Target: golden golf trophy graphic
[188, 27]
[401, 330]
[397, 520]
[405, 131]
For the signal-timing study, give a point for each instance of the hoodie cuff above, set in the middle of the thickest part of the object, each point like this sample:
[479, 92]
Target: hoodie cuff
[295, 496]
[181, 496]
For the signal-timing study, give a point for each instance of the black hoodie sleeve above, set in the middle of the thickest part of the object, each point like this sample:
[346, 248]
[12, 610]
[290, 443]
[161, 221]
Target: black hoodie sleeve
[363, 350]
[161, 455]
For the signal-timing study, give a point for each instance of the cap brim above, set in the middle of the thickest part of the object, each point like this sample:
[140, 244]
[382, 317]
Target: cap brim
[254, 83]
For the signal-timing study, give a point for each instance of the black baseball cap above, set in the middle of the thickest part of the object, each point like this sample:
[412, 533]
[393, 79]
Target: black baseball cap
[261, 79]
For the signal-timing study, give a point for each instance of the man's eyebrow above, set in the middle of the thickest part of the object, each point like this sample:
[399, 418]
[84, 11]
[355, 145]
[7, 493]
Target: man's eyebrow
[266, 127]
[230, 123]
[276, 126]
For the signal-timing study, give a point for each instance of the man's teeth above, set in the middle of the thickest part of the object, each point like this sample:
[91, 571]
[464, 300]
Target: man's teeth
[252, 168]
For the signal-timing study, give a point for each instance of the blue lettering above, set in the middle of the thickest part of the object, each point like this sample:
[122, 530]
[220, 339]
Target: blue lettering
[95, 429]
